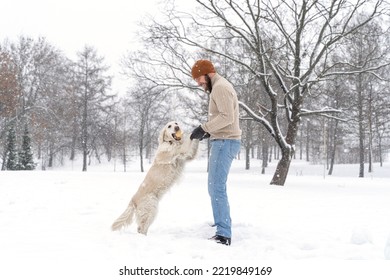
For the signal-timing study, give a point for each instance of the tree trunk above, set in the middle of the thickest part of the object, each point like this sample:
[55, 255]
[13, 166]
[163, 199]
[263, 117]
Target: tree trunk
[370, 131]
[5, 151]
[286, 144]
[307, 141]
[333, 147]
[124, 158]
[51, 155]
[73, 147]
[282, 168]
[361, 127]
[84, 140]
[248, 144]
[380, 152]
[265, 156]
[141, 145]
[141, 157]
[247, 158]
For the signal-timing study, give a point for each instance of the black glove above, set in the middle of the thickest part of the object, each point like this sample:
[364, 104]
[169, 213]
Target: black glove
[198, 133]
[205, 136]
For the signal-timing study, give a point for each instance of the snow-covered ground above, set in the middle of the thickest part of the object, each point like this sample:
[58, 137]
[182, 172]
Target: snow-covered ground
[55, 224]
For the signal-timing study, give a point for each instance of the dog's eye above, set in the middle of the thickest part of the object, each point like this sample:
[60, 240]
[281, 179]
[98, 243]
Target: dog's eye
[169, 126]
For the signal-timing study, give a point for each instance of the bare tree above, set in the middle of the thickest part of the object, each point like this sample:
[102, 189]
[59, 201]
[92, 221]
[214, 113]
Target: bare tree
[52, 131]
[366, 49]
[150, 101]
[34, 61]
[93, 85]
[381, 125]
[148, 114]
[289, 42]
[9, 90]
[9, 95]
[39, 70]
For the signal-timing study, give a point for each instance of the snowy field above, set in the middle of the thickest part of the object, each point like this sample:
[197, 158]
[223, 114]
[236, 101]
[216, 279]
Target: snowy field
[55, 224]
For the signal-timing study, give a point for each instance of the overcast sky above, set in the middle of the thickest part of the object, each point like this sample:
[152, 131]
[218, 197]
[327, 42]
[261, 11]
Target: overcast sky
[108, 25]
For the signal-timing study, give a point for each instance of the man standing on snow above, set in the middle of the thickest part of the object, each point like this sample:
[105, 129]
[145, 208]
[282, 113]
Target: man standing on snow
[225, 134]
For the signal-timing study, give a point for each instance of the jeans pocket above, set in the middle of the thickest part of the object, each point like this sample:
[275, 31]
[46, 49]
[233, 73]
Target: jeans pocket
[235, 148]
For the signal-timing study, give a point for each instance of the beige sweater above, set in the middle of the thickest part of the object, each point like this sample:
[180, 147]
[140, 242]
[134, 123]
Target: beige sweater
[223, 122]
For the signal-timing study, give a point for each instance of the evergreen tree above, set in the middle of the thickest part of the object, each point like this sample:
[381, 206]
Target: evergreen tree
[11, 155]
[26, 161]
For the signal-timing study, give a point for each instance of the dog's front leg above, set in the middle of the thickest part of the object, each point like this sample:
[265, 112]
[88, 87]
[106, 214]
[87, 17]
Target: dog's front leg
[192, 149]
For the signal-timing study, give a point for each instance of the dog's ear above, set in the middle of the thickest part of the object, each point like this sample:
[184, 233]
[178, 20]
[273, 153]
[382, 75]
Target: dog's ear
[161, 136]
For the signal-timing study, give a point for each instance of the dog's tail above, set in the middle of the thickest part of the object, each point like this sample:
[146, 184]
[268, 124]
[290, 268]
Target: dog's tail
[125, 219]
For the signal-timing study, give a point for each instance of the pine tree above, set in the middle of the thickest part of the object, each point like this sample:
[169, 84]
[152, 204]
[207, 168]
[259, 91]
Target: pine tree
[26, 161]
[11, 155]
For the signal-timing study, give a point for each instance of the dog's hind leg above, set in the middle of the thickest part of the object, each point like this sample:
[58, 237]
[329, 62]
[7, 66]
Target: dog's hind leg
[146, 213]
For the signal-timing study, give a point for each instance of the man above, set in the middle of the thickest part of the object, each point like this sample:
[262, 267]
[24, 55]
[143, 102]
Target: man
[225, 134]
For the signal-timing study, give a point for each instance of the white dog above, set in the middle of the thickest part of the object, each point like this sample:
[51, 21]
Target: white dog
[172, 153]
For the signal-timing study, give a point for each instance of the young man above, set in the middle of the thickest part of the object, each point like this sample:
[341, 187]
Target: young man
[225, 135]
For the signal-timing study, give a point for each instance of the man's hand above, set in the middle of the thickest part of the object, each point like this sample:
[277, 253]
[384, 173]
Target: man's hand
[205, 136]
[198, 133]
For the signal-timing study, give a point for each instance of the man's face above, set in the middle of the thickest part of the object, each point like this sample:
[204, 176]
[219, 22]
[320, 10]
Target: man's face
[204, 82]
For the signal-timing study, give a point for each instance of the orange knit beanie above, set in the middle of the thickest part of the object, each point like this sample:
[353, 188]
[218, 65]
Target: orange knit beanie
[202, 67]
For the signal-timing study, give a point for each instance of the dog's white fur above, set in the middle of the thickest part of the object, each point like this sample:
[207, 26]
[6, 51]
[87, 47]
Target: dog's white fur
[171, 155]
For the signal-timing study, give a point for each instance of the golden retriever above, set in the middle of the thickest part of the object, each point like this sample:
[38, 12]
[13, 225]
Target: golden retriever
[172, 153]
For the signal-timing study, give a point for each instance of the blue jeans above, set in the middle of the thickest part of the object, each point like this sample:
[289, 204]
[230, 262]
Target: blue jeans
[221, 156]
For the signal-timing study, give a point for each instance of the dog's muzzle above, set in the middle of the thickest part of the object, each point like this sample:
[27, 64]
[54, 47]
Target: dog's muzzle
[178, 133]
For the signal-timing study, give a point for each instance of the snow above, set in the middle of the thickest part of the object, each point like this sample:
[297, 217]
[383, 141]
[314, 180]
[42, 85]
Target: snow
[387, 249]
[55, 224]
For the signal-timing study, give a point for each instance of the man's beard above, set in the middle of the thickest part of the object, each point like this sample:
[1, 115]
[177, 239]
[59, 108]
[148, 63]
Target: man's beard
[209, 86]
